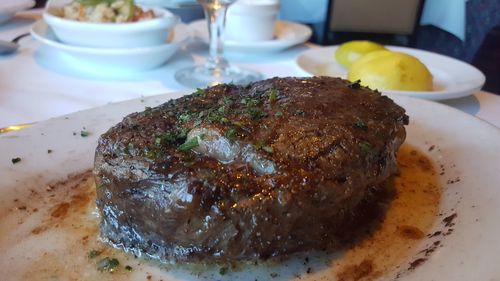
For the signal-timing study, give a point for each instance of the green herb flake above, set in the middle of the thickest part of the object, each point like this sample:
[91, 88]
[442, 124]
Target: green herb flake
[151, 154]
[278, 114]
[365, 146]
[169, 137]
[355, 85]
[259, 144]
[223, 270]
[273, 95]
[299, 112]
[16, 160]
[231, 134]
[107, 264]
[128, 268]
[256, 113]
[214, 116]
[94, 2]
[185, 117]
[360, 124]
[189, 144]
[93, 254]
[268, 149]
[84, 133]
[227, 100]
[199, 92]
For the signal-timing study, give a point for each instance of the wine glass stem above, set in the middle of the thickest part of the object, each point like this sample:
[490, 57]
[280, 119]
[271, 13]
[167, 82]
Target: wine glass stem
[216, 17]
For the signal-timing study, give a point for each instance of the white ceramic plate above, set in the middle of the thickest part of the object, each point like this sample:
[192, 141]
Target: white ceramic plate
[452, 78]
[8, 8]
[288, 34]
[129, 59]
[465, 146]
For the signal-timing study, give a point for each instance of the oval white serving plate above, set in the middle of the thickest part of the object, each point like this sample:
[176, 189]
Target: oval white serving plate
[452, 78]
[115, 59]
[463, 145]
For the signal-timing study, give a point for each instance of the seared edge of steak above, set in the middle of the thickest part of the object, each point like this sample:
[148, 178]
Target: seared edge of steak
[233, 172]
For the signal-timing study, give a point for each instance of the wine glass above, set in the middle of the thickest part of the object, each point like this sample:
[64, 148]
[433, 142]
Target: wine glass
[216, 69]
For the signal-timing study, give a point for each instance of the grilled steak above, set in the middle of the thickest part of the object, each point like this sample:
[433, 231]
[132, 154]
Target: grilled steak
[245, 173]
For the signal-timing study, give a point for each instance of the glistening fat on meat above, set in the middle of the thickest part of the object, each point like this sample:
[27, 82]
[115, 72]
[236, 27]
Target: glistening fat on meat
[244, 173]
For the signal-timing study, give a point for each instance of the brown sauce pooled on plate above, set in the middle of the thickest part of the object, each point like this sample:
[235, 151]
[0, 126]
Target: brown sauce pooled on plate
[409, 218]
[57, 234]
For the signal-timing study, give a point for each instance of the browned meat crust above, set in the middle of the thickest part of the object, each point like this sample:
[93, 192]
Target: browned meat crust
[325, 142]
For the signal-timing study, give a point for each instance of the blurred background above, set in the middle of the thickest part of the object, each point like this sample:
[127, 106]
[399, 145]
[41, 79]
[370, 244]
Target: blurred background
[468, 30]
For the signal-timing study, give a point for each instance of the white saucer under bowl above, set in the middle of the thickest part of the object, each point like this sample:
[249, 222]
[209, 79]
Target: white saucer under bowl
[126, 59]
[287, 34]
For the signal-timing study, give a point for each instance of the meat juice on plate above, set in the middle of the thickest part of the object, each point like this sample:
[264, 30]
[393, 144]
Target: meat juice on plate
[52, 233]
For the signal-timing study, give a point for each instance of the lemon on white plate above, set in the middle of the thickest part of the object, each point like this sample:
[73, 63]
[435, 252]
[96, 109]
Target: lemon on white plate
[351, 51]
[389, 70]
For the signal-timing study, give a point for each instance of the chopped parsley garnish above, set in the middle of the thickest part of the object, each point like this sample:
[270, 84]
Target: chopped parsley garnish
[250, 102]
[84, 133]
[184, 117]
[189, 144]
[148, 111]
[151, 154]
[268, 149]
[355, 85]
[199, 92]
[365, 146]
[273, 95]
[256, 113]
[93, 254]
[94, 2]
[223, 270]
[107, 264]
[216, 116]
[16, 160]
[227, 100]
[299, 112]
[129, 148]
[360, 125]
[168, 137]
[231, 134]
[261, 145]
[278, 114]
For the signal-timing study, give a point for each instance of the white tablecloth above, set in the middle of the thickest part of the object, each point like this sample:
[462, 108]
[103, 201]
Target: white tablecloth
[36, 85]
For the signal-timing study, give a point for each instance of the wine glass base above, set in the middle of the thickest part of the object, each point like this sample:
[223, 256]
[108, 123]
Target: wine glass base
[200, 76]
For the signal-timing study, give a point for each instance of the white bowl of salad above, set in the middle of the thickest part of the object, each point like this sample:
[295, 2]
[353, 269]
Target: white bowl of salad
[108, 23]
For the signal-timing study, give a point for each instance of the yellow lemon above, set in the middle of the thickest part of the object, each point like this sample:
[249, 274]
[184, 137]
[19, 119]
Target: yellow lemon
[351, 51]
[391, 71]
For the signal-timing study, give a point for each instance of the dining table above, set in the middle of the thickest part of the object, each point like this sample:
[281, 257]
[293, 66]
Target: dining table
[48, 212]
[37, 83]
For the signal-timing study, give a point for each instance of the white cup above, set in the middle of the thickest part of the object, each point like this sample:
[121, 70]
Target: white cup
[251, 20]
